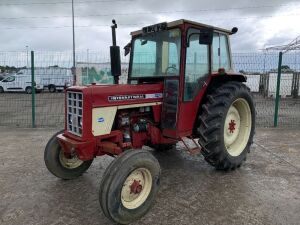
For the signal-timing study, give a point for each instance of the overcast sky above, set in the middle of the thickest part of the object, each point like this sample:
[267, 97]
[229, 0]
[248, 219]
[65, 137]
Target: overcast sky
[48, 26]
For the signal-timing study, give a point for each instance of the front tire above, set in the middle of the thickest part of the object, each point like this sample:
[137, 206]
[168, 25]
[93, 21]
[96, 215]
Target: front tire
[129, 186]
[61, 166]
[227, 124]
[1, 90]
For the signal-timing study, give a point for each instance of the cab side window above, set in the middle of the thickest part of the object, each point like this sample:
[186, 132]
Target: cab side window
[9, 79]
[220, 52]
[196, 65]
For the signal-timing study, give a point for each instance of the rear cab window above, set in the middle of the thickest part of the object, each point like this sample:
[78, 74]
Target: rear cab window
[220, 52]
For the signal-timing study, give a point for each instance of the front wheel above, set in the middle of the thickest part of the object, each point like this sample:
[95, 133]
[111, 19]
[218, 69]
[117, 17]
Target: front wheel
[1, 90]
[227, 123]
[129, 186]
[61, 166]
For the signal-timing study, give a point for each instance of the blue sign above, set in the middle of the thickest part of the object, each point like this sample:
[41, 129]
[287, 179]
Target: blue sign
[100, 120]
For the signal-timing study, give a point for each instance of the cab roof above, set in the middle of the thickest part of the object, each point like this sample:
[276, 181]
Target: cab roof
[182, 21]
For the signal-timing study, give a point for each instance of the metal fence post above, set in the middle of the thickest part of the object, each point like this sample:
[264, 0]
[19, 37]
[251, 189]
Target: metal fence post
[32, 90]
[278, 90]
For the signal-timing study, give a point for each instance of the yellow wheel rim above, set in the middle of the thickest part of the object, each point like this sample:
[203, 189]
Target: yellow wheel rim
[69, 163]
[237, 127]
[136, 188]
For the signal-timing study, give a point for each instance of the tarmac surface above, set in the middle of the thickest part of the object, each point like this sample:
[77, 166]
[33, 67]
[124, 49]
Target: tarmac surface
[265, 190]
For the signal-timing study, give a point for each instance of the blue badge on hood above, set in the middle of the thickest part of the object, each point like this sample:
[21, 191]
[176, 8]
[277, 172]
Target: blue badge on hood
[100, 120]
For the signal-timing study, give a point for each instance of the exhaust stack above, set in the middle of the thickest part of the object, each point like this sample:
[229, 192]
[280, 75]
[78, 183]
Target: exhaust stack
[115, 59]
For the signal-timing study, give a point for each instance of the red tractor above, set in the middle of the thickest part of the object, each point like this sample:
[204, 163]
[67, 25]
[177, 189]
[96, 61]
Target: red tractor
[181, 85]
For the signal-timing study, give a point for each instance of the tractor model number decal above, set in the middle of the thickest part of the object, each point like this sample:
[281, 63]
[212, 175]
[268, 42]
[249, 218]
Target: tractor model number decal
[133, 97]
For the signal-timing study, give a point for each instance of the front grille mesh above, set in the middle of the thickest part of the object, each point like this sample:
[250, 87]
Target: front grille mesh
[74, 112]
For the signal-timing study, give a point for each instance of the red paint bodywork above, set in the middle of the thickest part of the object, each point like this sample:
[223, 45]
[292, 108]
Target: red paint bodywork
[88, 146]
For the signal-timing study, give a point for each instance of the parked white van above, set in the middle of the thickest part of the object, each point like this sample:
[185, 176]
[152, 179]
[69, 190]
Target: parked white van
[52, 78]
[19, 83]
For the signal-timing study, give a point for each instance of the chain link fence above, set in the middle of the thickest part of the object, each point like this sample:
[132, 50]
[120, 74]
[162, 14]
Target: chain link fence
[53, 73]
[261, 70]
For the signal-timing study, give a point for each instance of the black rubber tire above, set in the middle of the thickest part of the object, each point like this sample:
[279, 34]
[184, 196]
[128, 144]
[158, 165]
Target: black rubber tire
[51, 158]
[28, 90]
[114, 178]
[52, 88]
[1, 90]
[212, 120]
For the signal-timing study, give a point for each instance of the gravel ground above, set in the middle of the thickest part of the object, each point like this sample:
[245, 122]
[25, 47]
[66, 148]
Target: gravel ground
[265, 190]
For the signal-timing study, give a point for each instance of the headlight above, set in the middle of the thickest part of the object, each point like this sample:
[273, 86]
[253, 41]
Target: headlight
[70, 119]
[80, 121]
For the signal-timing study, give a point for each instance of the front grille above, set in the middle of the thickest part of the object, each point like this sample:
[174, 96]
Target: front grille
[74, 114]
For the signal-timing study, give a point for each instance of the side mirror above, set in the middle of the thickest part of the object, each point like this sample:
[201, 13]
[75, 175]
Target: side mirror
[127, 48]
[206, 36]
[115, 61]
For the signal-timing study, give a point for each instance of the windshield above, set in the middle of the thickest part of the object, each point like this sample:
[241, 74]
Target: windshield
[156, 54]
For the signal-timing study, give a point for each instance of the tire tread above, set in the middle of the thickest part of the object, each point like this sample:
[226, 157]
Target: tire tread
[210, 125]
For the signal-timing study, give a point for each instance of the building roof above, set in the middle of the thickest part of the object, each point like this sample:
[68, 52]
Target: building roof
[182, 21]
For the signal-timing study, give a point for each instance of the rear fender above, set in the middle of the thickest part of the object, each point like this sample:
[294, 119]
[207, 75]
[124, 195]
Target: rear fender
[214, 82]
[217, 79]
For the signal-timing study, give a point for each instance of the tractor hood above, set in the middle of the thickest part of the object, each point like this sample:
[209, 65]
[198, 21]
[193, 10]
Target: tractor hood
[120, 94]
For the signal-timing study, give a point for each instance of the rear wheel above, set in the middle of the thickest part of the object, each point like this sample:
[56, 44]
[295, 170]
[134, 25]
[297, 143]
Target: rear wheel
[52, 88]
[129, 186]
[60, 165]
[1, 90]
[28, 90]
[227, 123]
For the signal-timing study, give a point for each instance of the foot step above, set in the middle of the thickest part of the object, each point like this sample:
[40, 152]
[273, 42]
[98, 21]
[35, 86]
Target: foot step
[196, 149]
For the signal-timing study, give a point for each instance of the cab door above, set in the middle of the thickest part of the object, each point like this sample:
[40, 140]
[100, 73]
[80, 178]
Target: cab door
[170, 106]
[196, 73]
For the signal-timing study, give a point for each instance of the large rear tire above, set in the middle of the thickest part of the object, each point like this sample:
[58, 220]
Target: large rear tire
[60, 165]
[227, 124]
[129, 186]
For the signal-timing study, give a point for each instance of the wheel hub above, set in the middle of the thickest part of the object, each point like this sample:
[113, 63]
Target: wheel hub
[136, 188]
[237, 127]
[231, 127]
[69, 163]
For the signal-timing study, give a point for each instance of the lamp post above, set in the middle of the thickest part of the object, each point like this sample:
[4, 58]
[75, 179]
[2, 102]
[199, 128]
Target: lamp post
[27, 59]
[74, 56]
[73, 30]
[87, 60]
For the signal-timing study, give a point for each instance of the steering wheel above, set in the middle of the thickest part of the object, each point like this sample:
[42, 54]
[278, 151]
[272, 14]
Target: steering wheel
[174, 69]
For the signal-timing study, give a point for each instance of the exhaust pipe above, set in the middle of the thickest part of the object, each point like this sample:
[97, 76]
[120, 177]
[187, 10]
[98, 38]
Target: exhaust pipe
[115, 58]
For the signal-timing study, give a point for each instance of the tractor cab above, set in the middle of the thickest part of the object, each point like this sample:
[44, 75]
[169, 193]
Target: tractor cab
[181, 54]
